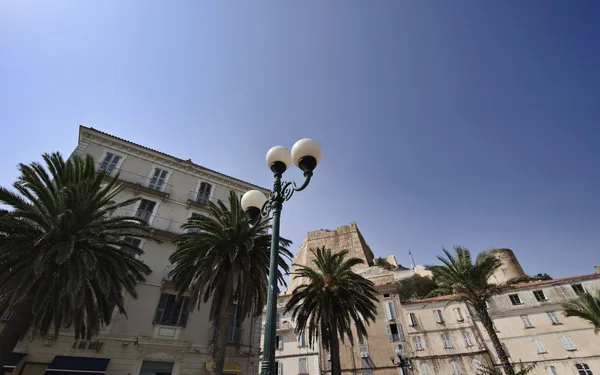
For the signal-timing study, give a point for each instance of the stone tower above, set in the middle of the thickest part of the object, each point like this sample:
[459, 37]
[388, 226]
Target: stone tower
[346, 237]
[510, 268]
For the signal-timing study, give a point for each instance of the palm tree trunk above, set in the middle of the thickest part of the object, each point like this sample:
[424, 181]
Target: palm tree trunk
[15, 329]
[336, 366]
[221, 338]
[489, 327]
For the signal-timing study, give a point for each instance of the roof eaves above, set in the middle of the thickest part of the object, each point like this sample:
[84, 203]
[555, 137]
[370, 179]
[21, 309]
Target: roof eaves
[170, 156]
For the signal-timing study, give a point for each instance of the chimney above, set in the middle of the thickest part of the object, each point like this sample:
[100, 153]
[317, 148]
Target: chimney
[597, 268]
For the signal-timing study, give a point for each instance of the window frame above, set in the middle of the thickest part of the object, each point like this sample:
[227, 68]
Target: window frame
[390, 311]
[458, 314]
[526, 321]
[542, 293]
[446, 341]
[568, 343]
[182, 315]
[455, 367]
[584, 370]
[300, 361]
[412, 320]
[418, 343]
[117, 166]
[539, 346]
[467, 337]
[583, 291]
[439, 317]
[210, 193]
[517, 297]
[553, 318]
[165, 180]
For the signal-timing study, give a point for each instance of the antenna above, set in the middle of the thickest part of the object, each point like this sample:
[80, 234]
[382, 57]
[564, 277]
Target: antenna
[413, 264]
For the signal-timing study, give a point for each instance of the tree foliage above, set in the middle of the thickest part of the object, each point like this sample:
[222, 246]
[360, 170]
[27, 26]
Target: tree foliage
[223, 258]
[415, 287]
[586, 307]
[465, 280]
[60, 250]
[332, 298]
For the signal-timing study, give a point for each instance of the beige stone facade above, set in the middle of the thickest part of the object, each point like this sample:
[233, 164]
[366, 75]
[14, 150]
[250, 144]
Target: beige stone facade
[442, 337]
[157, 331]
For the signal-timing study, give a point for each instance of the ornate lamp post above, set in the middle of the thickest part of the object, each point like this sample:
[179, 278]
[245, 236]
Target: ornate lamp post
[306, 154]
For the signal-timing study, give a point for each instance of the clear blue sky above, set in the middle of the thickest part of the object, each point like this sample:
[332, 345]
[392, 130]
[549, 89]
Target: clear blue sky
[466, 122]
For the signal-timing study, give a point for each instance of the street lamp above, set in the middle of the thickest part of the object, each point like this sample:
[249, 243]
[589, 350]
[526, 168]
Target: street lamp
[403, 362]
[306, 154]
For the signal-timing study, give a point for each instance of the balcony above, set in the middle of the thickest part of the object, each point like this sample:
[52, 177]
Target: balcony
[137, 182]
[168, 269]
[163, 226]
[234, 337]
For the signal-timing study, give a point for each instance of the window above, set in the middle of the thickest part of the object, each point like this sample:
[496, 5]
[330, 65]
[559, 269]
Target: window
[583, 369]
[550, 370]
[109, 164]
[204, 193]
[417, 342]
[412, 319]
[467, 337]
[495, 328]
[398, 348]
[386, 295]
[439, 318]
[159, 368]
[526, 321]
[446, 340]
[395, 332]
[539, 346]
[303, 365]
[540, 296]
[6, 316]
[131, 241]
[389, 309]
[553, 317]
[302, 339]
[145, 209]
[578, 289]
[278, 321]
[279, 341]
[328, 361]
[363, 352]
[279, 366]
[477, 366]
[505, 348]
[425, 369]
[487, 305]
[159, 177]
[458, 314]
[171, 311]
[515, 299]
[568, 343]
[367, 372]
[455, 368]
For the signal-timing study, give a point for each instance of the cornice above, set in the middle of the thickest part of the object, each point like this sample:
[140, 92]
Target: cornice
[156, 157]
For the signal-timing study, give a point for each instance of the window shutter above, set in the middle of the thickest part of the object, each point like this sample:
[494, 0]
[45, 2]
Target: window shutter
[551, 370]
[279, 368]
[400, 332]
[505, 348]
[412, 319]
[477, 366]
[184, 312]
[539, 346]
[567, 342]
[438, 316]
[425, 368]
[389, 333]
[458, 313]
[160, 309]
[389, 309]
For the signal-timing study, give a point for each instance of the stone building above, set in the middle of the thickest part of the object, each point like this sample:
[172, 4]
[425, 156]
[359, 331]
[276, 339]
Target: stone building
[441, 337]
[159, 336]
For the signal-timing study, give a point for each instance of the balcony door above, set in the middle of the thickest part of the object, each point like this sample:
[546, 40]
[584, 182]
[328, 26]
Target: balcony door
[156, 368]
[109, 164]
[145, 209]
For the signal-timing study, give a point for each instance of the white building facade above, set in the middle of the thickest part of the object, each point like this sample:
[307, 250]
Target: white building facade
[159, 336]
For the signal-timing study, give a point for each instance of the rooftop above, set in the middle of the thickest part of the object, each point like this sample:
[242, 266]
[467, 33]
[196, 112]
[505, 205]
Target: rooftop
[188, 161]
[515, 286]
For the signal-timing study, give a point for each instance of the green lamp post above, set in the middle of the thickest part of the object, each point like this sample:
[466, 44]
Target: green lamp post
[306, 154]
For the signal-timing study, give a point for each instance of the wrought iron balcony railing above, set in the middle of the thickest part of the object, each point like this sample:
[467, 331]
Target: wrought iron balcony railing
[150, 183]
[156, 222]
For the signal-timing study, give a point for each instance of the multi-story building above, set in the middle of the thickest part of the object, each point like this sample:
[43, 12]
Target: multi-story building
[159, 336]
[440, 336]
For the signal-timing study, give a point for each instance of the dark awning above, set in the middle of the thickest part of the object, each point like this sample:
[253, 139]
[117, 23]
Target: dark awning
[64, 365]
[13, 361]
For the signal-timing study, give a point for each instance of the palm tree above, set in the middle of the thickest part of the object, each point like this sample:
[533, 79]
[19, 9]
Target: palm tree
[585, 307]
[224, 258]
[468, 282]
[63, 261]
[330, 300]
